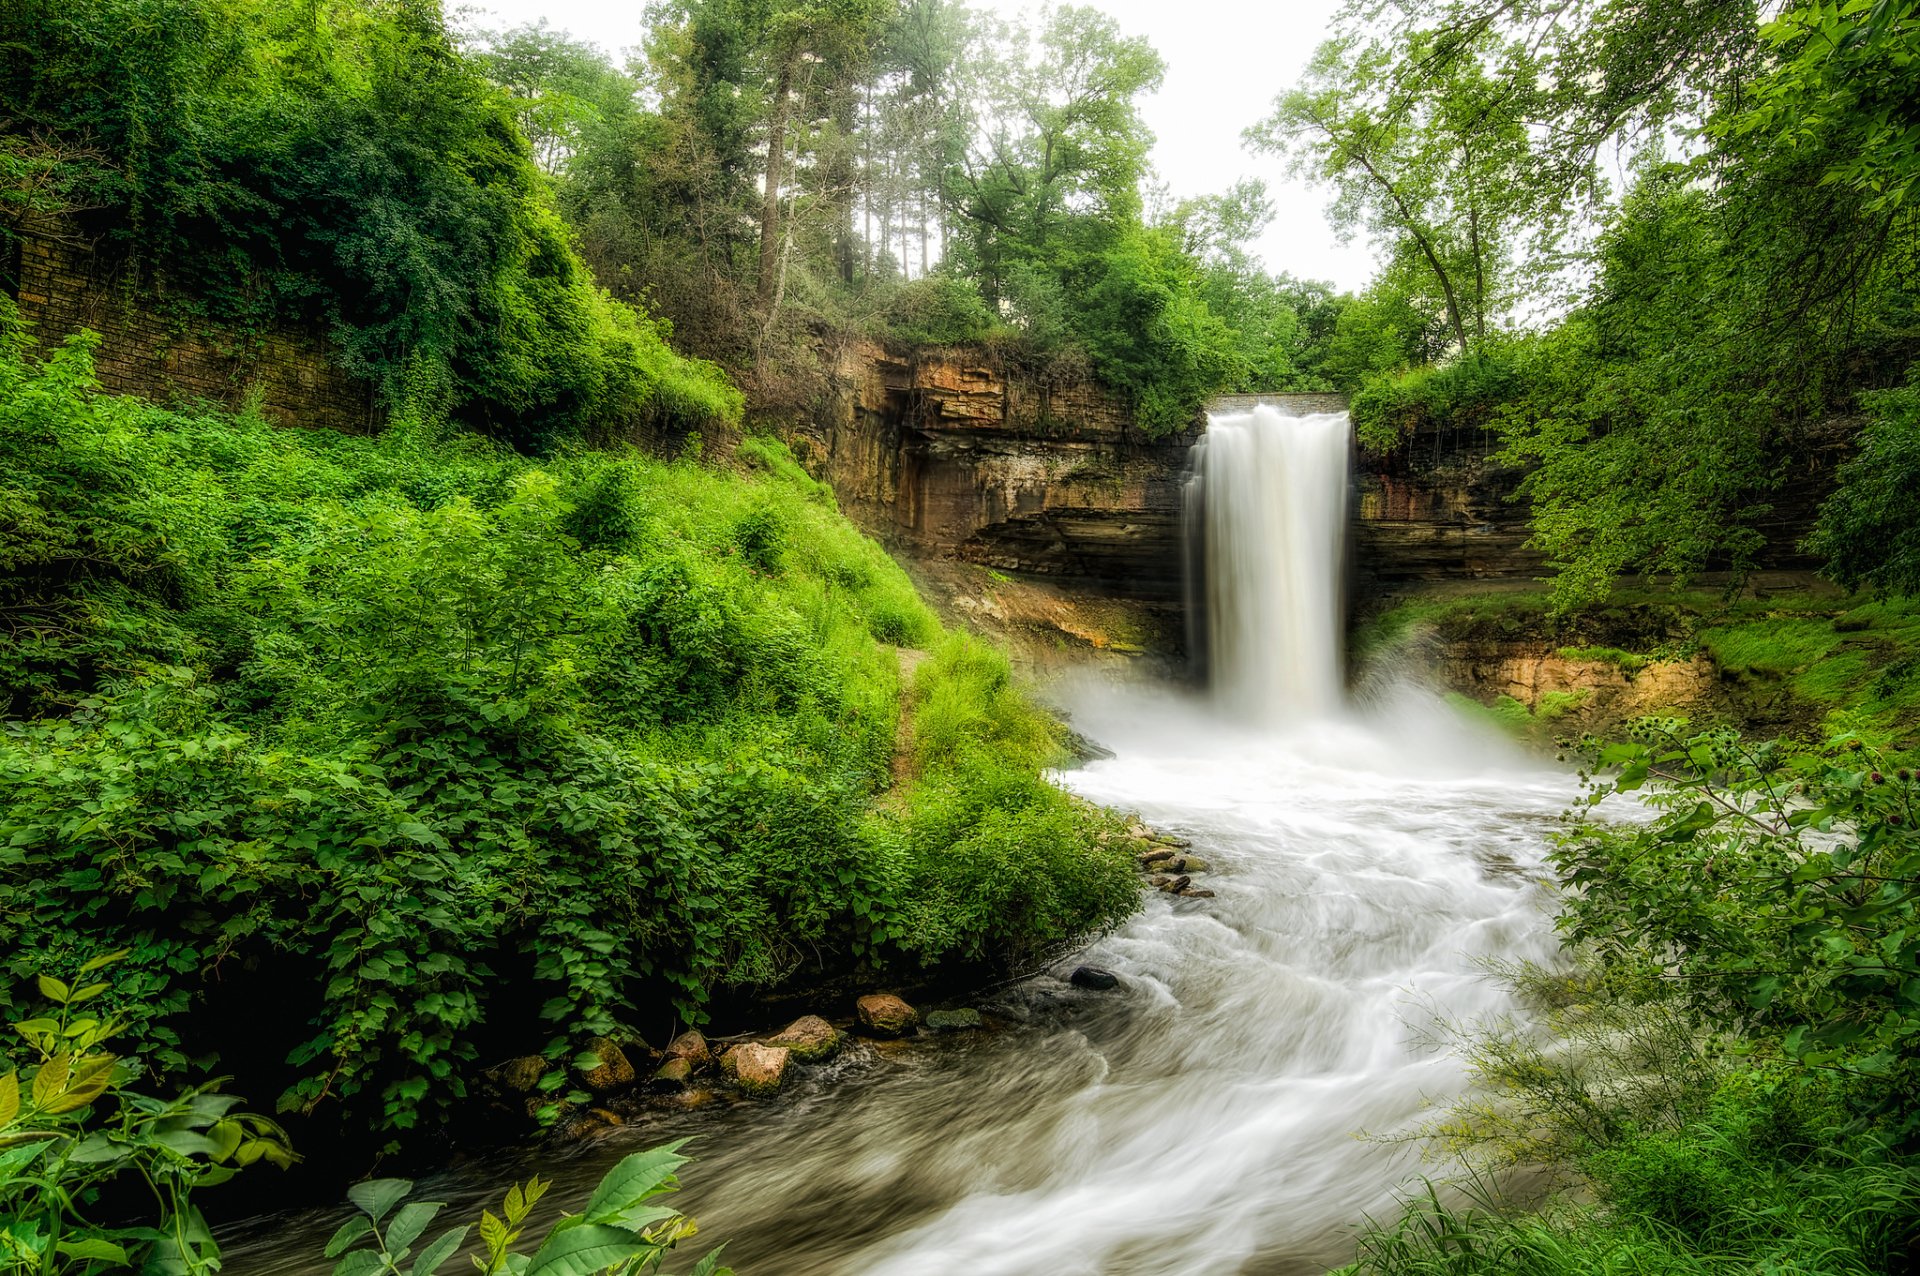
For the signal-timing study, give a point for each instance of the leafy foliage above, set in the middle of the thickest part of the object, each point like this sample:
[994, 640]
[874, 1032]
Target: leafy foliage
[619, 1232]
[343, 165]
[375, 722]
[71, 1127]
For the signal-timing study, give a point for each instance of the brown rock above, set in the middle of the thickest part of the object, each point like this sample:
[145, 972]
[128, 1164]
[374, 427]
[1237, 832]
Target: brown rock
[692, 1046]
[885, 1015]
[519, 1076]
[672, 1075]
[756, 1068]
[1178, 884]
[809, 1037]
[1193, 894]
[614, 1072]
[1155, 857]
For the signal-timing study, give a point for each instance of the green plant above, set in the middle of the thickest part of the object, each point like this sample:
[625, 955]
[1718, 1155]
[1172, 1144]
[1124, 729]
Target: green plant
[71, 1127]
[618, 1232]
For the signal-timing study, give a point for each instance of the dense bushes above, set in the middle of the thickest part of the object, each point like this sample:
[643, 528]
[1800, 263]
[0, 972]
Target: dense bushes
[417, 738]
[344, 166]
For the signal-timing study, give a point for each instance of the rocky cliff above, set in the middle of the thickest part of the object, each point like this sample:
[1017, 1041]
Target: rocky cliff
[962, 452]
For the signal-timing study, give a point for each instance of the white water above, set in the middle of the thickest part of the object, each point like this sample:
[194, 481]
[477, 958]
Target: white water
[1271, 491]
[1232, 1106]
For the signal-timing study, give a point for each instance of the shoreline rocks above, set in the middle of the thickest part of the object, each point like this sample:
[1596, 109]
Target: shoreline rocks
[884, 1015]
[756, 1068]
[810, 1038]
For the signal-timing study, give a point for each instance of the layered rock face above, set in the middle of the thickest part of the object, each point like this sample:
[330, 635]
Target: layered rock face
[961, 453]
[1439, 509]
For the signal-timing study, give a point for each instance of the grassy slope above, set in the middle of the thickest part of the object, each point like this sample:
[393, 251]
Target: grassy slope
[419, 752]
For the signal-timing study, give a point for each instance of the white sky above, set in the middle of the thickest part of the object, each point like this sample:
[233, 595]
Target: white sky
[1226, 59]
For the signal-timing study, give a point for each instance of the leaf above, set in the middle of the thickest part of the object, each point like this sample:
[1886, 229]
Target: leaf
[361, 1262]
[709, 1266]
[633, 1180]
[439, 1252]
[585, 1251]
[50, 1080]
[377, 1196]
[350, 1232]
[97, 1149]
[103, 960]
[84, 1086]
[9, 1098]
[493, 1232]
[53, 989]
[94, 1247]
[410, 1222]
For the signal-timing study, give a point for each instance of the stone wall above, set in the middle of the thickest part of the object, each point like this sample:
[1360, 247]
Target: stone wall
[62, 286]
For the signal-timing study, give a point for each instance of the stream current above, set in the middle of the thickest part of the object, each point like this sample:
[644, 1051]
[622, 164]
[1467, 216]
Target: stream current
[1245, 1097]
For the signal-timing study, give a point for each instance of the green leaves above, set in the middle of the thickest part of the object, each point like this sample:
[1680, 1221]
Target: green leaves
[636, 1179]
[1781, 885]
[616, 1228]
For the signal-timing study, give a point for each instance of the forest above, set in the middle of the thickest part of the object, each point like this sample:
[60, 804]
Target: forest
[568, 708]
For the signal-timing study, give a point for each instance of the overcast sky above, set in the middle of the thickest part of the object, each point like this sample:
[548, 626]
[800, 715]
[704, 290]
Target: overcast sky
[1226, 59]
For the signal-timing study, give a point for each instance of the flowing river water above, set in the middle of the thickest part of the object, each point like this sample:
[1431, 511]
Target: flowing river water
[1242, 1100]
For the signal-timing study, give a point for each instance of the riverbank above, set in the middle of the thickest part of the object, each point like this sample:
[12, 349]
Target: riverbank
[1789, 655]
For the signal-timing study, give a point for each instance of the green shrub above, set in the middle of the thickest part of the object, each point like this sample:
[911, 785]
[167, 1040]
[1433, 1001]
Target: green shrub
[370, 722]
[72, 1129]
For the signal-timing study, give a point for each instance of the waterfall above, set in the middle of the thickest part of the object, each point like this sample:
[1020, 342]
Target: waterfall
[1266, 521]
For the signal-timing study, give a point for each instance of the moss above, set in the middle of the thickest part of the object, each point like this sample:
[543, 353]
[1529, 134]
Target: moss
[1627, 661]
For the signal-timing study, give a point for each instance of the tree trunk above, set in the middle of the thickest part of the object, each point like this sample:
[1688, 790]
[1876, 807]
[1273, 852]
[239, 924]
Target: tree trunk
[776, 160]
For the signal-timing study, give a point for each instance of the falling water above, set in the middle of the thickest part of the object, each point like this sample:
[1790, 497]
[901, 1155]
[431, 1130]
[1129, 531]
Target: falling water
[1244, 1098]
[1267, 498]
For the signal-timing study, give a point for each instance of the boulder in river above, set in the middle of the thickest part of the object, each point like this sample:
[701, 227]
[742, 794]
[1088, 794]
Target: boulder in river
[672, 1075]
[691, 1045]
[518, 1076]
[1094, 978]
[884, 1015]
[1156, 857]
[953, 1020]
[756, 1068]
[1176, 884]
[809, 1037]
[1190, 893]
[611, 1069]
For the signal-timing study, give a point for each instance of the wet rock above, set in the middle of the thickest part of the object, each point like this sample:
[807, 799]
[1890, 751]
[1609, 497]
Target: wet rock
[885, 1015]
[1140, 831]
[1193, 894]
[692, 1046]
[580, 1125]
[1156, 857]
[756, 1068]
[1177, 843]
[1160, 880]
[613, 1071]
[1193, 864]
[1176, 885]
[1094, 978]
[672, 1075]
[810, 1038]
[953, 1020]
[518, 1076]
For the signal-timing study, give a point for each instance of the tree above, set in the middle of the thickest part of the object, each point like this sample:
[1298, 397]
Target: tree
[1435, 170]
